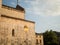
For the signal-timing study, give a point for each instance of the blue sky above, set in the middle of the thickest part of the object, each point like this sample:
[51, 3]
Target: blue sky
[46, 13]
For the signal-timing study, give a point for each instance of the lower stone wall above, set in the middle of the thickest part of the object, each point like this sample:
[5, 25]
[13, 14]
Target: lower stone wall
[20, 36]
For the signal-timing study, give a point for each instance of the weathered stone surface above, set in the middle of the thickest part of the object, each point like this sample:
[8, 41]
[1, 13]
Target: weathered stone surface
[14, 20]
[7, 25]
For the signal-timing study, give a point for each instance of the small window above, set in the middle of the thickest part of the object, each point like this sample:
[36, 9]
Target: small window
[36, 41]
[40, 41]
[26, 28]
[13, 32]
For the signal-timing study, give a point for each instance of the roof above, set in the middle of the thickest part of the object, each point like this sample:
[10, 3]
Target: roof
[18, 7]
[39, 33]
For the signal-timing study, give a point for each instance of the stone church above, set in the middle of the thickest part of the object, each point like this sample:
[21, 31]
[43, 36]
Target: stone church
[14, 29]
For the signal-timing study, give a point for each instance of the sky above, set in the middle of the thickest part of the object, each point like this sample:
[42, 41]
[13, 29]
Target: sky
[45, 13]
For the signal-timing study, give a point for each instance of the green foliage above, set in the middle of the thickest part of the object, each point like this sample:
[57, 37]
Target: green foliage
[50, 38]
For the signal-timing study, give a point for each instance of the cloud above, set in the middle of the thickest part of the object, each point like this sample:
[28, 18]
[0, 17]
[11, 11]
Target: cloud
[19, 0]
[44, 7]
[13, 3]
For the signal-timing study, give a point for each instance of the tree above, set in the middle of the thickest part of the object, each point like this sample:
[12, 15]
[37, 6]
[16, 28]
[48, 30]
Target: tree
[50, 38]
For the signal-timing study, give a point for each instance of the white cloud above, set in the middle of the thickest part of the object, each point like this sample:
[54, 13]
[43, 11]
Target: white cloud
[13, 3]
[19, 0]
[45, 7]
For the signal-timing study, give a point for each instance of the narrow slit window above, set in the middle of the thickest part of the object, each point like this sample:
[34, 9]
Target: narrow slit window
[40, 41]
[13, 32]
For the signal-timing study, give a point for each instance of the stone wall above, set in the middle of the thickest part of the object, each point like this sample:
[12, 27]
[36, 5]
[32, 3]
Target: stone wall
[12, 12]
[20, 36]
[5, 10]
[8, 24]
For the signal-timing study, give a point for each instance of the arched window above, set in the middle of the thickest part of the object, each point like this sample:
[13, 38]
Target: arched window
[13, 32]
[26, 28]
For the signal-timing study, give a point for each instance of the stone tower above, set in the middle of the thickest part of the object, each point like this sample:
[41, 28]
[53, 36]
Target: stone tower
[12, 26]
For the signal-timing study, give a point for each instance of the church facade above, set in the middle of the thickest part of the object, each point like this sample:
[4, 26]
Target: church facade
[14, 29]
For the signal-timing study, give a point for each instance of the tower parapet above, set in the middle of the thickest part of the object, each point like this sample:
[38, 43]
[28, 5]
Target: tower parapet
[17, 12]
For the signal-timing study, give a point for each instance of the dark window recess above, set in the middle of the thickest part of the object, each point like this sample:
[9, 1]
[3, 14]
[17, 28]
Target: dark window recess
[13, 32]
[36, 41]
[12, 43]
[40, 41]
